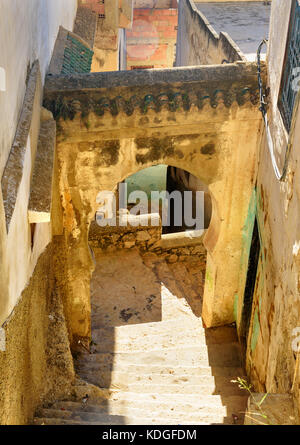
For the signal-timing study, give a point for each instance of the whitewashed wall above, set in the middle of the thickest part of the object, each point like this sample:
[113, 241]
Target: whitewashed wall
[28, 30]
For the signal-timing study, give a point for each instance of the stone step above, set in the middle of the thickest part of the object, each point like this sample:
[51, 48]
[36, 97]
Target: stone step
[120, 403]
[108, 374]
[151, 328]
[194, 399]
[147, 328]
[161, 417]
[120, 340]
[117, 420]
[120, 400]
[215, 355]
[164, 383]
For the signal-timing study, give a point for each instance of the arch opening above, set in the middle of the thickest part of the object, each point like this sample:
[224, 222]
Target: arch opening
[143, 276]
[182, 201]
[126, 252]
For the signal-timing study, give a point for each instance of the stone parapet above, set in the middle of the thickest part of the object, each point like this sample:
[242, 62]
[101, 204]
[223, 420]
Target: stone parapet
[198, 43]
[147, 239]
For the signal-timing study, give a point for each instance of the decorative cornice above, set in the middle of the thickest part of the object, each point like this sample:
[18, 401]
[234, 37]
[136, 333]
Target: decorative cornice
[67, 108]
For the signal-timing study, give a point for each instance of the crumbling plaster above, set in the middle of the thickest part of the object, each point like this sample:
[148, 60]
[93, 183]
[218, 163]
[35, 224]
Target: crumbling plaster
[96, 150]
[272, 360]
[36, 365]
[17, 264]
[25, 58]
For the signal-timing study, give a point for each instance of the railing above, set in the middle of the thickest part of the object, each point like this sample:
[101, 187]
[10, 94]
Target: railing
[291, 73]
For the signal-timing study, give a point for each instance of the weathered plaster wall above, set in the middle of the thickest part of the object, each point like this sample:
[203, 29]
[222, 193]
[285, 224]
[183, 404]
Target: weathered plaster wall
[104, 25]
[246, 23]
[106, 48]
[109, 48]
[159, 4]
[225, 1]
[271, 361]
[19, 131]
[272, 358]
[115, 13]
[144, 118]
[17, 264]
[37, 365]
[27, 32]
[85, 24]
[197, 41]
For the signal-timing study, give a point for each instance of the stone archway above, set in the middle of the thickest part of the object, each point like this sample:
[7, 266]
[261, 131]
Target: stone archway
[214, 138]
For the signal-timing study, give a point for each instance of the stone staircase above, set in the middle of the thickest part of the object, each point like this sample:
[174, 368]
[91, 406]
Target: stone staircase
[167, 372]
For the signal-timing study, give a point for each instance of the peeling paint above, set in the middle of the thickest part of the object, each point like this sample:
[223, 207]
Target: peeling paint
[255, 330]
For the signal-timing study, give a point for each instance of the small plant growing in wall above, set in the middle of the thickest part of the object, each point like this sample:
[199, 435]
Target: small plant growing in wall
[243, 384]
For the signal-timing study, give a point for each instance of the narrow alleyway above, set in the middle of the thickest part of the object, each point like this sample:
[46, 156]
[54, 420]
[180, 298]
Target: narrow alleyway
[150, 354]
[150, 235]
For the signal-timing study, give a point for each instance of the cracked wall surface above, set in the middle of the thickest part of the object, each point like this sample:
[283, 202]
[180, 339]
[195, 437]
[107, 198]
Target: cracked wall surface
[106, 134]
[36, 365]
[197, 41]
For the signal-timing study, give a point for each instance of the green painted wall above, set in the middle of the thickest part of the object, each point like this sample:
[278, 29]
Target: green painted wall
[148, 180]
[247, 239]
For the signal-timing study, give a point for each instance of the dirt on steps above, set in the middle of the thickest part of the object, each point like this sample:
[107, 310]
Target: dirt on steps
[151, 360]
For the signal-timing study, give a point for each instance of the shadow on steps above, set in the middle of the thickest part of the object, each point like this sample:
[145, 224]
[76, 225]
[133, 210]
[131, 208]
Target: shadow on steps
[223, 347]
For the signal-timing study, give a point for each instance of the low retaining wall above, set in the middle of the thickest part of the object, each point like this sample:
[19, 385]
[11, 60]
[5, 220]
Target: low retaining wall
[174, 247]
[36, 364]
[197, 41]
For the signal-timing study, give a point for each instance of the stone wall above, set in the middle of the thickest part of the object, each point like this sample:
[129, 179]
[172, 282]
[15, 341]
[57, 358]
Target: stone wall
[225, 1]
[201, 119]
[123, 237]
[36, 361]
[197, 41]
[105, 24]
[158, 4]
[25, 56]
[146, 239]
[36, 365]
[106, 48]
[85, 24]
